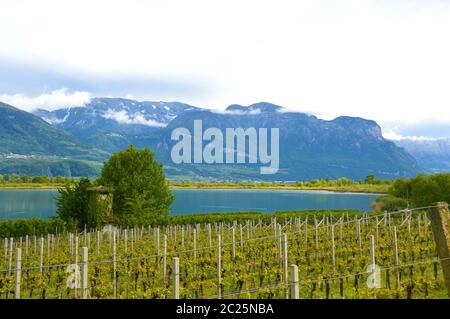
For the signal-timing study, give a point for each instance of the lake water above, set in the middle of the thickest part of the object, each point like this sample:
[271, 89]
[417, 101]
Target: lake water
[16, 204]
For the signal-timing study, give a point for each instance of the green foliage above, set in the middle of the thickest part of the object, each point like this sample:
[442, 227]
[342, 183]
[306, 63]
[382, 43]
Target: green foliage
[141, 192]
[401, 188]
[28, 134]
[73, 204]
[370, 179]
[14, 179]
[423, 190]
[250, 260]
[99, 208]
[340, 182]
[32, 226]
[140, 211]
[40, 179]
[390, 203]
[49, 166]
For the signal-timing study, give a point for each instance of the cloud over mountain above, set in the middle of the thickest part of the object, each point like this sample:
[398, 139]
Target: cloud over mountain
[53, 100]
[125, 118]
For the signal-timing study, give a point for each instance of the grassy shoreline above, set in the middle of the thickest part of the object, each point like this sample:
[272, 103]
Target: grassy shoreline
[29, 186]
[359, 188]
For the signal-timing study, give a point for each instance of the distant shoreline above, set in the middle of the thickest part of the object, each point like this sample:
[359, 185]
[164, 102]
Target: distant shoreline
[330, 189]
[29, 187]
[346, 189]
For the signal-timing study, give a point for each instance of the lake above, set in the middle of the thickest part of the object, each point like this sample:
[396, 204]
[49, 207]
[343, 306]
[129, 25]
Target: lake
[15, 204]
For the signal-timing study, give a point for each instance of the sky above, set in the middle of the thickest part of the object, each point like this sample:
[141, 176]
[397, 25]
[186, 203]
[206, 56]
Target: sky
[383, 60]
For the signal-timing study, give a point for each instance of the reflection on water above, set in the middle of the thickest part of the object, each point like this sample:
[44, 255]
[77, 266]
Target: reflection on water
[16, 204]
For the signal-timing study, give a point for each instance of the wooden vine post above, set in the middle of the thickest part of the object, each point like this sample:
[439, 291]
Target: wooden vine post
[165, 259]
[209, 236]
[182, 235]
[18, 273]
[285, 264]
[306, 232]
[125, 239]
[194, 250]
[233, 240]
[316, 239]
[5, 248]
[84, 273]
[157, 247]
[26, 245]
[440, 225]
[41, 255]
[294, 282]
[397, 270]
[333, 255]
[176, 278]
[279, 244]
[219, 266]
[114, 272]
[11, 245]
[98, 243]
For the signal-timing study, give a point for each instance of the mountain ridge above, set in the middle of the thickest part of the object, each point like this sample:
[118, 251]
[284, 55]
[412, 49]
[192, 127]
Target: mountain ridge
[112, 122]
[25, 133]
[310, 147]
[432, 154]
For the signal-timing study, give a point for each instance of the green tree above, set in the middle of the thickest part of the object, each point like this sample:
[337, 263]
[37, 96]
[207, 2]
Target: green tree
[59, 179]
[401, 188]
[370, 179]
[40, 179]
[72, 203]
[13, 178]
[141, 192]
[344, 182]
[389, 203]
[422, 190]
[25, 179]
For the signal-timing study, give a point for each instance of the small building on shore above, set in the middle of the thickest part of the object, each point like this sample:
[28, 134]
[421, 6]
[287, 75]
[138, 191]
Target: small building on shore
[100, 206]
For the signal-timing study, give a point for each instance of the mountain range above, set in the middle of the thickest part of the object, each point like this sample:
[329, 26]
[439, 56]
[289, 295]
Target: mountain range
[432, 154]
[112, 123]
[310, 148]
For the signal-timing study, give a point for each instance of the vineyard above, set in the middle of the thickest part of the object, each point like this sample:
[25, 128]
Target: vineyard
[391, 255]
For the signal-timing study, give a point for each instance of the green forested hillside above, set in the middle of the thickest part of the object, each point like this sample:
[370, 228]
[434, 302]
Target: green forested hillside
[25, 133]
[49, 167]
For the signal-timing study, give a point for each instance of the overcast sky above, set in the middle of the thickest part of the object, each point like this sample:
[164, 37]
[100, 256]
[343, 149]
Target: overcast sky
[384, 60]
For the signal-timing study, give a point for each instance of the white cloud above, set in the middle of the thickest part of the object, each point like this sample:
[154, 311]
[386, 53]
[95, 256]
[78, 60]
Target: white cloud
[383, 60]
[124, 118]
[394, 135]
[50, 101]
